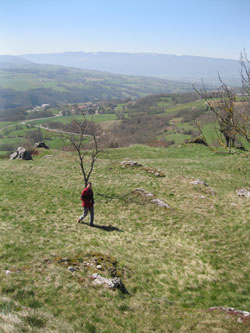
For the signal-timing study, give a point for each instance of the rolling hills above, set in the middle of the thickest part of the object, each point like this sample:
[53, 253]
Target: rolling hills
[167, 66]
[33, 84]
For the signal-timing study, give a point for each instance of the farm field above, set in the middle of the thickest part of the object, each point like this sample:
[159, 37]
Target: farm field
[171, 108]
[14, 135]
[178, 131]
[67, 119]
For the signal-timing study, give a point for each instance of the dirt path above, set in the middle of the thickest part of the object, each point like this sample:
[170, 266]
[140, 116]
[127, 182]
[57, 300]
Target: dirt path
[27, 121]
[40, 126]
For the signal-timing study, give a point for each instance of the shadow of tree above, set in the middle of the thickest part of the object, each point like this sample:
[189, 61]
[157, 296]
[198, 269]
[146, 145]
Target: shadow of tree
[126, 198]
[113, 196]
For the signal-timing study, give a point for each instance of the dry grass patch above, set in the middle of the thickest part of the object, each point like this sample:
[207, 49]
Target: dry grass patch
[17, 318]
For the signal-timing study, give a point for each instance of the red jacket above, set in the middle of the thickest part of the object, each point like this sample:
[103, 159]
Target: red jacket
[87, 198]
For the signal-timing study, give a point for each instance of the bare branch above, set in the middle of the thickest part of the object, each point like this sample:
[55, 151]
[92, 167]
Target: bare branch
[77, 132]
[233, 116]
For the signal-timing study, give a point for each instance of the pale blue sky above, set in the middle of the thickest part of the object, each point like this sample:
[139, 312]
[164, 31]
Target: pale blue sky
[213, 28]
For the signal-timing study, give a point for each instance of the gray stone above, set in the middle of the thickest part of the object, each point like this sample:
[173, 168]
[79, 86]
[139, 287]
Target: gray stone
[130, 163]
[198, 181]
[232, 310]
[8, 272]
[21, 153]
[112, 283]
[201, 182]
[100, 280]
[13, 156]
[71, 269]
[155, 201]
[41, 145]
[243, 192]
[48, 156]
[160, 203]
[143, 193]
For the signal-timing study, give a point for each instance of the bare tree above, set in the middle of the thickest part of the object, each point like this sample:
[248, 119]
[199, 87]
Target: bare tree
[245, 73]
[233, 116]
[83, 136]
[34, 136]
[244, 107]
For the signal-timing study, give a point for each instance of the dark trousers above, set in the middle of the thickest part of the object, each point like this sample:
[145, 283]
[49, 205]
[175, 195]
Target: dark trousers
[85, 213]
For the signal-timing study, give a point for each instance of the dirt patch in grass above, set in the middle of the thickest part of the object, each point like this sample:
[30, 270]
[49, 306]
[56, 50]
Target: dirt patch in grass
[93, 262]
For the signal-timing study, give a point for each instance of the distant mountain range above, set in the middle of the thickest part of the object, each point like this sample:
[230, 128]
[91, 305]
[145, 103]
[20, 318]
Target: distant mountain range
[188, 68]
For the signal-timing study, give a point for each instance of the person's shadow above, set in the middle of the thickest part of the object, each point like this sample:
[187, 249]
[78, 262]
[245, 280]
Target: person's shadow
[108, 228]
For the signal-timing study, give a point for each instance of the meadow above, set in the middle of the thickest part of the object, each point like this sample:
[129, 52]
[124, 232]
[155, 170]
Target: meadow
[175, 263]
[170, 107]
[97, 118]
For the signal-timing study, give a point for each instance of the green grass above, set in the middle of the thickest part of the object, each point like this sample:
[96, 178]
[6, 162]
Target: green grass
[120, 106]
[165, 102]
[22, 82]
[213, 135]
[10, 140]
[175, 263]
[16, 137]
[179, 107]
[185, 126]
[5, 123]
[13, 135]
[177, 138]
[53, 110]
[98, 118]
[211, 132]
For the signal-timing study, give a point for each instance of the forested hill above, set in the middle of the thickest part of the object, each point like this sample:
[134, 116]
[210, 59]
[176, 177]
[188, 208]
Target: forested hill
[34, 84]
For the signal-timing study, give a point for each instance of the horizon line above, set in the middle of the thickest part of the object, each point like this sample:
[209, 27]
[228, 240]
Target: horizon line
[117, 52]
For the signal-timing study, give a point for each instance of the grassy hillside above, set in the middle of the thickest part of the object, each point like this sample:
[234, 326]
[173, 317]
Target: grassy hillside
[175, 263]
[33, 84]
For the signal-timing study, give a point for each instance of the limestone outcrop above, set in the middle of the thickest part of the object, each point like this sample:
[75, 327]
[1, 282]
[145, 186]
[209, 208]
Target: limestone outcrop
[22, 154]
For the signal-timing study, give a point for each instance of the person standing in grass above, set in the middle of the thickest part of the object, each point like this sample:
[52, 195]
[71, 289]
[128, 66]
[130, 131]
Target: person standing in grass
[87, 198]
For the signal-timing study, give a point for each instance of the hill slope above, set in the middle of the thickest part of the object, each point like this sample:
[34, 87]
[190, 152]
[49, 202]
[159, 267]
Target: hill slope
[33, 84]
[176, 263]
[158, 65]
[9, 59]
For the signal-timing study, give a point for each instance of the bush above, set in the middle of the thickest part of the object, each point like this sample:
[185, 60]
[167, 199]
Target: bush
[188, 132]
[34, 136]
[137, 129]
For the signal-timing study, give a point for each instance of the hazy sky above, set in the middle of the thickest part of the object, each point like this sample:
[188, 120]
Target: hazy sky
[213, 28]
